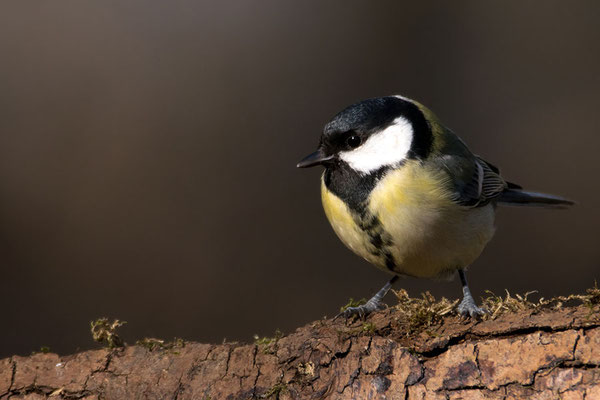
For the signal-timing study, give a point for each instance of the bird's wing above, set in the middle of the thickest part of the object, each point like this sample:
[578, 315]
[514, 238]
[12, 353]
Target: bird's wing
[485, 184]
[473, 181]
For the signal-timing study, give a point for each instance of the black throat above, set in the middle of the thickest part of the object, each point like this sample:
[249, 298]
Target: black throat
[350, 186]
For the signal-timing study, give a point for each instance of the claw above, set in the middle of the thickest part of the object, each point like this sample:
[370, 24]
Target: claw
[361, 311]
[375, 303]
[467, 309]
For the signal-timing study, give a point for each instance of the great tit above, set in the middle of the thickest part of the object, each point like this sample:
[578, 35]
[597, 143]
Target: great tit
[405, 193]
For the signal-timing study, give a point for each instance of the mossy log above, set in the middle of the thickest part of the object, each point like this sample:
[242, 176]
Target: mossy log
[525, 354]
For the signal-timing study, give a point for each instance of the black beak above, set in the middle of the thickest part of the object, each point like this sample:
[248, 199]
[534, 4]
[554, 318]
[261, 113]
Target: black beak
[313, 159]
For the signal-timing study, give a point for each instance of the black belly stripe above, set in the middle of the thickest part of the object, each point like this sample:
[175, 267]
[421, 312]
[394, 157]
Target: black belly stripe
[382, 249]
[378, 237]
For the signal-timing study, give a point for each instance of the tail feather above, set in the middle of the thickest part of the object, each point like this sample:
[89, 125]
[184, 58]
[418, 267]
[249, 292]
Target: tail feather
[515, 197]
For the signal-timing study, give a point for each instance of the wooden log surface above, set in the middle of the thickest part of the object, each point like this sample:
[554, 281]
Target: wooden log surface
[528, 354]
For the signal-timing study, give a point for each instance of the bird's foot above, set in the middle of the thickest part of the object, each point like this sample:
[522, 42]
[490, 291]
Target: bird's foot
[468, 309]
[375, 303]
[363, 310]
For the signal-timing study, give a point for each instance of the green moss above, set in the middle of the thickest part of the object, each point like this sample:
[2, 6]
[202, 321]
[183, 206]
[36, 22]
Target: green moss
[42, 350]
[498, 305]
[353, 303]
[105, 332]
[267, 343]
[158, 344]
[592, 297]
[368, 328]
[275, 391]
[421, 313]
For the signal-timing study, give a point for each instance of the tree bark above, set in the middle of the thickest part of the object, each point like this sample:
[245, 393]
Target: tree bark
[547, 354]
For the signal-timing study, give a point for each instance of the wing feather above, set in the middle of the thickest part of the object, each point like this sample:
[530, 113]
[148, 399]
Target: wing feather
[473, 181]
[485, 185]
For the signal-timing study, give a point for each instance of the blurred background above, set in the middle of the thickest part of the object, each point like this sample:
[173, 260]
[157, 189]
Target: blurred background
[148, 152]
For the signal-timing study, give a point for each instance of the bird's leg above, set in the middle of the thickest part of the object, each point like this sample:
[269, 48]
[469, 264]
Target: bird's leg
[467, 307]
[375, 303]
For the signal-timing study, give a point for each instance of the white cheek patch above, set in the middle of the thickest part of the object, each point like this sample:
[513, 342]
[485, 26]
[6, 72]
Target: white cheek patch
[388, 147]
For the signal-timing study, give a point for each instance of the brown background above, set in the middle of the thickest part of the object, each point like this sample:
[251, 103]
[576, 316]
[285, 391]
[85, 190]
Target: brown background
[148, 150]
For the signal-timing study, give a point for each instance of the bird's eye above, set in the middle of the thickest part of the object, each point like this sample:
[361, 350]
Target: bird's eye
[353, 141]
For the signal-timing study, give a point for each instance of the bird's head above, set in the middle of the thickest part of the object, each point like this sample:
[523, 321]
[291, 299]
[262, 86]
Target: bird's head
[373, 134]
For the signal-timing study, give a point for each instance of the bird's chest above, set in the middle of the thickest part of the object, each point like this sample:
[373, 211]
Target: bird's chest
[410, 225]
[359, 231]
[431, 235]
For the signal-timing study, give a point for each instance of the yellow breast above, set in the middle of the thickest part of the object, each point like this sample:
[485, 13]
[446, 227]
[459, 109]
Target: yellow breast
[345, 224]
[430, 235]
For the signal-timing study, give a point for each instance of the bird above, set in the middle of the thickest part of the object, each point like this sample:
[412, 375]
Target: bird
[405, 193]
